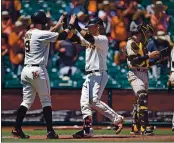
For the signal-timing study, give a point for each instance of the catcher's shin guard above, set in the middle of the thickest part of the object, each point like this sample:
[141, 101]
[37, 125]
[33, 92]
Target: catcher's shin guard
[143, 112]
[135, 121]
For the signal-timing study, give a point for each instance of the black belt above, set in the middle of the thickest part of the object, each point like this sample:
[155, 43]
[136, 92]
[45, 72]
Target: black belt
[89, 72]
[33, 65]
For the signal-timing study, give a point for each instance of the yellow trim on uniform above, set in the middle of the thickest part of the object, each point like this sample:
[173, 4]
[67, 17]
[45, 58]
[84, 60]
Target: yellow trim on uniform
[144, 107]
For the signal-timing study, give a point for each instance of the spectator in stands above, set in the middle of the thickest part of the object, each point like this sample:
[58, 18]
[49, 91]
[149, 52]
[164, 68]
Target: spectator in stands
[120, 55]
[6, 22]
[68, 55]
[17, 33]
[150, 7]
[4, 52]
[13, 7]
[162, 41]
[160, 20]
[118, 27]
[106, 22]
[16, 52]
[79, 10]
[151, 46]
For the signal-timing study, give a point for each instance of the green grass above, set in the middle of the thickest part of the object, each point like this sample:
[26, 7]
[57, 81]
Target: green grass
[70, 132]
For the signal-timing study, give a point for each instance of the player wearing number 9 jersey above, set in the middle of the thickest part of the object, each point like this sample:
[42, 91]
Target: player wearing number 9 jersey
[34, 76]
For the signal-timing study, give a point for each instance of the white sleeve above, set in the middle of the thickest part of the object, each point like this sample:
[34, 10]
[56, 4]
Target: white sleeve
[129, 49]
[101, 41]
[49, 36]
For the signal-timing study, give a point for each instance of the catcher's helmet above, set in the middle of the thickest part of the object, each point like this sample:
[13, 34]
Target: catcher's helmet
[146, 28]
[39, 17]
[95, 20]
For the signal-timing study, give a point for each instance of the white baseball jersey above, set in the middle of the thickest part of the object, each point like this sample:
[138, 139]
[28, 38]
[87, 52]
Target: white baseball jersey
[96, 54]
[37, 43]
[93, 87]
[172, 59]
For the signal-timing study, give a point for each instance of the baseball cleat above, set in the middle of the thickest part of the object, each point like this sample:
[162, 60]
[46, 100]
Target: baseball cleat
[173, 128]
[147, 132]
[119, 125]
[82, 134]
[19, 134]
[52, 135]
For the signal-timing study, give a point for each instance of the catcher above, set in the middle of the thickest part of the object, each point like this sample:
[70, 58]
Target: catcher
[138, 63]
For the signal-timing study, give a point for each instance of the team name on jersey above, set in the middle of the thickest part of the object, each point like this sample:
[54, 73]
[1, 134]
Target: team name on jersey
[28, 35]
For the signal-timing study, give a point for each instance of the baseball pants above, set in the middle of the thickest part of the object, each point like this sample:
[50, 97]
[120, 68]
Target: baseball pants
[32, 85]
[91, 94]
[139, 83]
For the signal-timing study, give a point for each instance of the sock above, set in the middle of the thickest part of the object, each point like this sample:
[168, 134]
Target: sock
[20, 116]
[87, 124]
[47, 112]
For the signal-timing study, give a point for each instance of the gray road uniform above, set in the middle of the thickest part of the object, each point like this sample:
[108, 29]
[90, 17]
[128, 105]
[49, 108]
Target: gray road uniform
[34, 76]
[96, 79]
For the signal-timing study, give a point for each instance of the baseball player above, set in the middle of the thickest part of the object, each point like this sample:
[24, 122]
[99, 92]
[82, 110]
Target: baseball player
[171, 79]
[96, 78]
[173, 122]
[34, 76]
[138, 63]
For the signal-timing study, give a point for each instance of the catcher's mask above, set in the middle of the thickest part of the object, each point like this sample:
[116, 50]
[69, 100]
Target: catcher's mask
[146, 30]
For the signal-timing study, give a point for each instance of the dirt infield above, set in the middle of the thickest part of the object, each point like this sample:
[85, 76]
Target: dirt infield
[97, 137]
[109, 138]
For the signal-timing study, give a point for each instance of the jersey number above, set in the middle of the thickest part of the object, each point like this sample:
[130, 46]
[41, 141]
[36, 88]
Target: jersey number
[27, 46]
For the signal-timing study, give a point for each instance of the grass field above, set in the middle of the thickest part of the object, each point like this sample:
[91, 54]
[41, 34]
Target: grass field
[39, 135]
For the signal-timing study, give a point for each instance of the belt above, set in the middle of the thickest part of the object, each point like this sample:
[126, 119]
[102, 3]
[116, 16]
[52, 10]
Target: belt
[33, 65]
[139, 69]
[89, 72]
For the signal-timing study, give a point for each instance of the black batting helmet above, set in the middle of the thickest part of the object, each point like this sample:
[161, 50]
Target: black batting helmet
[95, 20]
[39, 17]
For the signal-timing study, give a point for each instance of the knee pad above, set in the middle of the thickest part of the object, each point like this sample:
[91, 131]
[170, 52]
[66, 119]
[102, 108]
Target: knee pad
[142, 99]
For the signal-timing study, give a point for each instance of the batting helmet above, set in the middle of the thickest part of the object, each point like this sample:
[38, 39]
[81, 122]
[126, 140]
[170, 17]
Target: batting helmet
[39, 17]
[95, 20]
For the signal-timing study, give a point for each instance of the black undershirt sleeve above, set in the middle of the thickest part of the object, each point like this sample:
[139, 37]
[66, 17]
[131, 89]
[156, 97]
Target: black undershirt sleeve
[89, 38]
[137, 60]
[62, 36]
[75, 39]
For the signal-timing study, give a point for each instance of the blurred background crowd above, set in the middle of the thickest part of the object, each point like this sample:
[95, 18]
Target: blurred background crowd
[67, 60]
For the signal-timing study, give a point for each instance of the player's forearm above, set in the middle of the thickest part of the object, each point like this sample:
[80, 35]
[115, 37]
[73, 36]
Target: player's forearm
[137, 60]
[63, 35]
[53, 29]
[75, 39]
[88, 37]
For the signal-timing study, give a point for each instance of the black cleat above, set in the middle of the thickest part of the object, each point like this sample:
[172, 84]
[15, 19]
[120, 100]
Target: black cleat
[52, 135]
[82, 134]
[19, 134]
[173, 128]
[147, 132]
